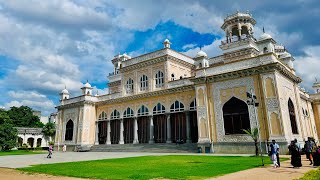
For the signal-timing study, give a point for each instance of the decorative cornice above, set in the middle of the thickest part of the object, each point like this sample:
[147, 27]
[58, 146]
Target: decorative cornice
[76, 104]
[248, 72]
[144, 64]
[146, 95]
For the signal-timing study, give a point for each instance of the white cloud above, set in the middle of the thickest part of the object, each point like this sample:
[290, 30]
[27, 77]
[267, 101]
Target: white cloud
[211, 49]
[188, 46]
[307, 66]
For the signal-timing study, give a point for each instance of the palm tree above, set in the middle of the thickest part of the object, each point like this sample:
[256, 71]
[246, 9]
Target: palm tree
[254, 133]
[49, 130]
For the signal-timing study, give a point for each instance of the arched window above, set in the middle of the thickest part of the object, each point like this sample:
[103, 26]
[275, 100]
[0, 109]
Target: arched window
[292, 115]
[143, 83]
[172, 77]
[236, 116]
[39, 140]
[176, 107]
[265, 50]
[128, 112]
[193, 105]
[129, 86]
[159, 109]
[159, 79]
[69, 131]
[115, 114]
[103, 116]
[143, 111]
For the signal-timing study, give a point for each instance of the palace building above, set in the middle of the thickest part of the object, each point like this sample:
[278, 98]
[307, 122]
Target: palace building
[168, 97]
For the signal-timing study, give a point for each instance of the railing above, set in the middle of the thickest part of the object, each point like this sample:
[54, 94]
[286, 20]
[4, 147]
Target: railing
[109, 96]
[179, 83]
[114, 78]
[216, 60]
[237, 14]
[237, 39]
[144, 57]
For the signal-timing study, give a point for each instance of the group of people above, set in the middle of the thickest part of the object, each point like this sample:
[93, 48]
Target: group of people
[312, 151]
[310, 148]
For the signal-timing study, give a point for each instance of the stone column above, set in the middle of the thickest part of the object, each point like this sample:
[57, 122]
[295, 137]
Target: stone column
[151, 140]
[168, 129]
[188, 126]
[34, 141]
[97, 133]
[108, 142]
[121, 132]
[135, 131]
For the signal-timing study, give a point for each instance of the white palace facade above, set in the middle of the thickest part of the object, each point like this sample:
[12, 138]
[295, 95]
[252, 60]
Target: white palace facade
[168, 97]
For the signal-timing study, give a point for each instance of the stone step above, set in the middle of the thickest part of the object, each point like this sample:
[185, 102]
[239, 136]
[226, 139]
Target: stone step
[156, 147]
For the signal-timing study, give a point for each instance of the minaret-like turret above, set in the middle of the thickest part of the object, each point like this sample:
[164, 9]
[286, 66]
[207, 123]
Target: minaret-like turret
[166, 43]
[239, 43]
[64, 94]
[87, 89]
[316, 86]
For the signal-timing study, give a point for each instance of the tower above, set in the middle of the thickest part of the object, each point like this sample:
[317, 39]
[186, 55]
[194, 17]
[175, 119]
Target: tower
[87, 89]
[239, 43]
[64, 94]
[166, 43]
[316, 87]
[201, 59]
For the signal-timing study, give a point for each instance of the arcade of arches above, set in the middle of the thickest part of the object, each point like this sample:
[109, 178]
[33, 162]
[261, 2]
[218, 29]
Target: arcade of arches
[160, 127]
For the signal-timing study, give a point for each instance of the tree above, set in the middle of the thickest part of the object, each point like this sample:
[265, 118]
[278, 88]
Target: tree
[8, 134]
[254, 134]
[23, 117]
[49, 130]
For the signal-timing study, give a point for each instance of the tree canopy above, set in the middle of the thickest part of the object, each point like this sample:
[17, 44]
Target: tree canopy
[49, 130]
[23, 117]
[8, 134]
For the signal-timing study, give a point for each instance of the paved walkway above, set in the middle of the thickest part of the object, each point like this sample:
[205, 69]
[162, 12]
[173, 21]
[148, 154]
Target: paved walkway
[268, 172]
[285, 172]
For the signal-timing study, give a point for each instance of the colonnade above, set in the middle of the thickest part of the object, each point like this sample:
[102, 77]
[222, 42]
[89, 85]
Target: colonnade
[182, 128]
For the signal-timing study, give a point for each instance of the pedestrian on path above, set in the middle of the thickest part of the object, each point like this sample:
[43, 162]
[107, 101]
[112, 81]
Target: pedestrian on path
[309, 149]
[50, 151]
[64, 148]
[295, 154]
[277, 150]
[273, 155]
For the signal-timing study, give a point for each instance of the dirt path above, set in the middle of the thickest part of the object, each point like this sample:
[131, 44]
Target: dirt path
[11, 174]
[285, 172]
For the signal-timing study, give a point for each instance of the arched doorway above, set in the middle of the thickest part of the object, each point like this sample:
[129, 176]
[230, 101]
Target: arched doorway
[30, 142]
[236, 116]
[20, 141]
[178, 122]
[193, 122]
[115, 127]
[102, 128]
[159, 123]
[39, 140]
[128, 126]
[143, 125]
[69, 131]
[292, 115]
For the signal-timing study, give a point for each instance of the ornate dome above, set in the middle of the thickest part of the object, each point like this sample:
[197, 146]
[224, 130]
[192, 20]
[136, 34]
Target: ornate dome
[65, 91]
[87, 85]
[265, 36]
[201, 54]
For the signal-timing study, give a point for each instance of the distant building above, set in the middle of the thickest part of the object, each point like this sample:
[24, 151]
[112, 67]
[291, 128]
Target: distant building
[166, 97]
[33, 137]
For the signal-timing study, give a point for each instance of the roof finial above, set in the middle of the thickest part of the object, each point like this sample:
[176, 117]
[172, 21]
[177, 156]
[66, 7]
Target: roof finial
[263, 29]
[87, 81]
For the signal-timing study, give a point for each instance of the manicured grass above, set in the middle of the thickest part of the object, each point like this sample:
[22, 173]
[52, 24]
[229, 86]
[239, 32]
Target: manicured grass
[19, 152]
[148, 167]
[311, 175]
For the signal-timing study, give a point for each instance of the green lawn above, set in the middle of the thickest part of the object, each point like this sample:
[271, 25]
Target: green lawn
[148, 167]
[19, 152]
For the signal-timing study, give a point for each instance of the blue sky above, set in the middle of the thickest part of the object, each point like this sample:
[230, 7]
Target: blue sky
[45, 45]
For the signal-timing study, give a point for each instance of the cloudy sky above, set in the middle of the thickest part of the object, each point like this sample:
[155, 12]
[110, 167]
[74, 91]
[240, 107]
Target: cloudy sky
[45, 45]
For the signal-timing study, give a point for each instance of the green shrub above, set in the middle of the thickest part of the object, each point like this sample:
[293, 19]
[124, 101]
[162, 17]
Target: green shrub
[51, 143]
[311, 175]
[24, 147]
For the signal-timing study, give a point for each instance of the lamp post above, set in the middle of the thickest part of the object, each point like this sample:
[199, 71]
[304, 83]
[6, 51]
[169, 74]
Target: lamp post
[252, 101]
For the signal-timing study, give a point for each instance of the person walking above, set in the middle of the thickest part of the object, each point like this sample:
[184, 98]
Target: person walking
[295, 155]
[273, 155]
[64, 148]
[277, 151]
[309, 147]
[50, 151]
